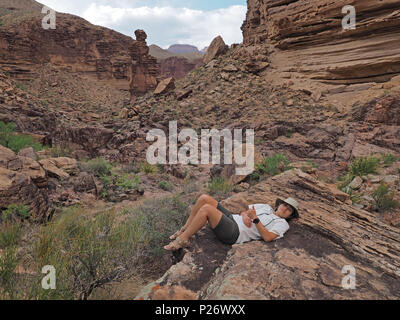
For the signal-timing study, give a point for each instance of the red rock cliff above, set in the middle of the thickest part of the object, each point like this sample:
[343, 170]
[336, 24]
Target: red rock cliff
[307, 38]
[178, 67]
[77, 46]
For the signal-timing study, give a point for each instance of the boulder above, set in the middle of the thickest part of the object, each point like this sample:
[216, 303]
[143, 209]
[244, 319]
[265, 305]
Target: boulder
[165, 86]
[59, 168]
[216, 48]
[85, 182]
[25, 165]
[256, 67]
[34, 170]
[183, 94]
[6, 155]
[230, 68]
[356, 183]
[28, 152]
[18, 188]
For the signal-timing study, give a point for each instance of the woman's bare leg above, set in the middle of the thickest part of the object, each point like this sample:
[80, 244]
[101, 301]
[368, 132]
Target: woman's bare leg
[201, 201]
[206, 213]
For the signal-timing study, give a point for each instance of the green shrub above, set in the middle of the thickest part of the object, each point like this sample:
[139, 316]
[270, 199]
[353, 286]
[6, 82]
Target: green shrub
[389, 159]
[364, 166]
[8, 278]
[272, 166]
[15, 141]
[219, 186]
[166, 185]
[119, 184]
[383, 198]
[10, 234]
[154, 221]
[87, 251]
[10, 239]
[16, 211]
[149, 168]
[100, 167]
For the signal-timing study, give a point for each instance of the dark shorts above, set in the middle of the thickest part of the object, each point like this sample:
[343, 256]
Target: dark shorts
[227, 230]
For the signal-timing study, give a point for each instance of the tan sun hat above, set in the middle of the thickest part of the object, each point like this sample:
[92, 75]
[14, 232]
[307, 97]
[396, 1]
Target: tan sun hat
[293, 203]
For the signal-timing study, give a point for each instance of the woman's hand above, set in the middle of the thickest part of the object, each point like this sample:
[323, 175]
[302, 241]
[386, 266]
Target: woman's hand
[252, 213]
[246, 220]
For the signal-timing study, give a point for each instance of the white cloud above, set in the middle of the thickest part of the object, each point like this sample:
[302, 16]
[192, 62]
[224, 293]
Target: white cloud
[165, 22]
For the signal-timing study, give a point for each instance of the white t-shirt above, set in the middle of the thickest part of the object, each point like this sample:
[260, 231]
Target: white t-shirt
[270, 221]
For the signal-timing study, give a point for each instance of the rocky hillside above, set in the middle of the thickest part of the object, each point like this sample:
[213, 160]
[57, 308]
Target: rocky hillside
[75, 46]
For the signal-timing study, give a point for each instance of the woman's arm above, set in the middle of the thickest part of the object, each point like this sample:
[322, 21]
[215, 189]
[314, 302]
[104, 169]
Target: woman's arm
[265, 234]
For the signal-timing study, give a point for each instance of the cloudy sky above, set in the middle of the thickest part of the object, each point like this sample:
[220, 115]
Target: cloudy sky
[166, 22]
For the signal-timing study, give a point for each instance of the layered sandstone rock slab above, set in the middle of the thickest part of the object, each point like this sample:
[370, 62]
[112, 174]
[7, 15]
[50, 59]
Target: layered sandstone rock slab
[59, 167]
[77, 46]
[307, 263]
[306, 39]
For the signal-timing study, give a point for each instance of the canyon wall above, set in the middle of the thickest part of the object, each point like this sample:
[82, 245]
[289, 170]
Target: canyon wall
[307, 40]
[76, 46]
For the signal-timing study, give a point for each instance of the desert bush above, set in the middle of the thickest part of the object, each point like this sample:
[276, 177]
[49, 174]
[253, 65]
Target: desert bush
[219, 186]
[364, 166]
[10, 234]
[87, 251]
[384, 198]
[100, 167]
[16, 211]
[272, 166]
[156, 220]
[119, 184]
[149, 168]
[10, 239]
[166, 185]
[8, 262]
[14, 141]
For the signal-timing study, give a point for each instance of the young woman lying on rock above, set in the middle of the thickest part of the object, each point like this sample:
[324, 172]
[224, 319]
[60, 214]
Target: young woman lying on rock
[259, 222]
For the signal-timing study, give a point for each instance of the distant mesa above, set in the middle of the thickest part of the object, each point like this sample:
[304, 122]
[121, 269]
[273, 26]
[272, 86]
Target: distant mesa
[183, 48]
